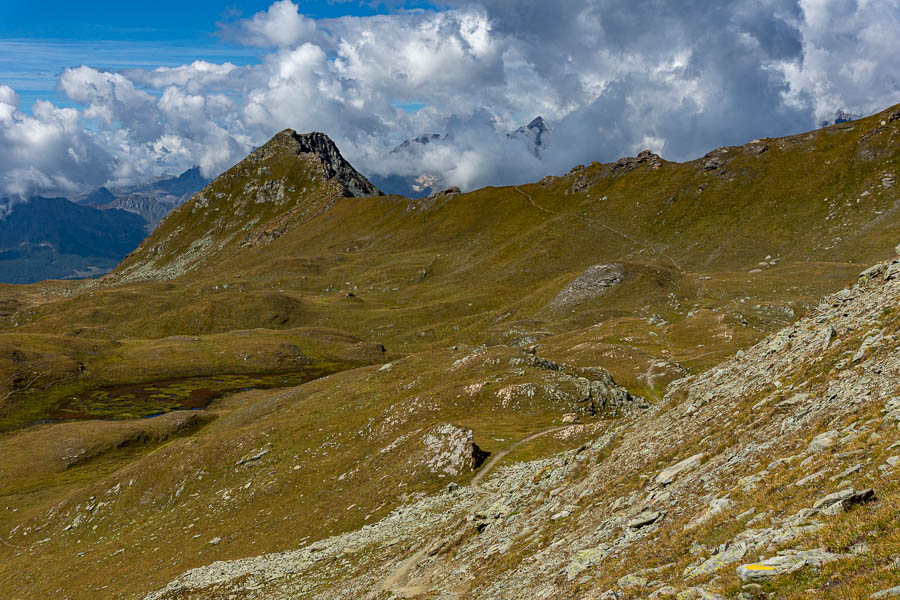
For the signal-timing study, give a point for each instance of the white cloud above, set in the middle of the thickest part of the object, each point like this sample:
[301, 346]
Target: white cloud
[281, 25]
[112, 99]
[48, 151]
[850, 57]
[8, 96]
[611, 77]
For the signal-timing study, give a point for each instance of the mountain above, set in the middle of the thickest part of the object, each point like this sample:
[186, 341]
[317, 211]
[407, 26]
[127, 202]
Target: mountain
[640, 379]
[188, 183]
[53, 238]
[152, 208]
[840, 116]
[416, 186]
[534, 135]
[98, 197]
[422, 140]
[151, 201]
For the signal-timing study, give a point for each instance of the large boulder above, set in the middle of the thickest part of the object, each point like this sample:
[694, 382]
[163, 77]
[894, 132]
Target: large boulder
[451, 450]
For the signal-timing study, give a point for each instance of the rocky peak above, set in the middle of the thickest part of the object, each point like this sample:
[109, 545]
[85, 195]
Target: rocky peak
[422, 140]
[538, 124]
[334, 165]
[533, 134]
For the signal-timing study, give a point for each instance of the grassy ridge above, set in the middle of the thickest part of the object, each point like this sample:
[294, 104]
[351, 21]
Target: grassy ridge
[271, 270]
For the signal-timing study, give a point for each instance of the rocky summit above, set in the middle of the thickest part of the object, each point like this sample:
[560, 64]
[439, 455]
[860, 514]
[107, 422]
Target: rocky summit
[642, 379]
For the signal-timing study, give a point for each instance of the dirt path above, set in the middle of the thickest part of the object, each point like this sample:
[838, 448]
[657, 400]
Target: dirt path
[600, 224]
[397, 582]
[489, 465]
[7, 544]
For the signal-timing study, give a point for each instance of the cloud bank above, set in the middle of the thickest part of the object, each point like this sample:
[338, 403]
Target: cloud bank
[613, 78]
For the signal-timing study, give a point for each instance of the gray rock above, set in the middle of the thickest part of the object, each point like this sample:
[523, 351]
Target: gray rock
[698, 593]
[731, 555]
[786, 563]
[823, 441]
[632, 580]
[645, 518]
[833, 498]
[451, 450]
[809, 478]
[585, 560]
[827, 336]
[593, 282]
[846, 472]
[450, 191]
[668, 475]
[862, 497]
[872, 272]
[869, 342]
[252, 458]
[888, 593]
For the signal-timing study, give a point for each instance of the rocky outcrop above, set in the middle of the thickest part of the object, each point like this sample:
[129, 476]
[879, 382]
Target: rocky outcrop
[645, 157]
[450, 191]
[594, 282]
[451, 450]
[334, 166]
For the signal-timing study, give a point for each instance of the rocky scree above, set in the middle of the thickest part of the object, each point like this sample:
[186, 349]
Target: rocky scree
[725, 490]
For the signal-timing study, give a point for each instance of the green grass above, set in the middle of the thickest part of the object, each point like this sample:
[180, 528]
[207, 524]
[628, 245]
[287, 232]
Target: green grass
[264, 302]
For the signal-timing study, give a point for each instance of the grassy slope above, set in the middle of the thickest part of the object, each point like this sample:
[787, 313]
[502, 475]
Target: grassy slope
[426, 274]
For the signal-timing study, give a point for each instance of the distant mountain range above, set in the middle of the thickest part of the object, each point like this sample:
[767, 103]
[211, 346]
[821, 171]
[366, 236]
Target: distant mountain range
[55, 238]
[534, 136]
[151, 201]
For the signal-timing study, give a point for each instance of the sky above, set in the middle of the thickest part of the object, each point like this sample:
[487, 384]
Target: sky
[113, 93]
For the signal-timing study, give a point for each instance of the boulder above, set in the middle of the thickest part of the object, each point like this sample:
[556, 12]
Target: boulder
[668, 475]
[785, 563]
[823, 441]
[451, 450]
[893, 592]
[645, 518]
[849, 501]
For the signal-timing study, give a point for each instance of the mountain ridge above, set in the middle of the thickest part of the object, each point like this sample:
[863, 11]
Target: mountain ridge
[657, 353]
[55, 238]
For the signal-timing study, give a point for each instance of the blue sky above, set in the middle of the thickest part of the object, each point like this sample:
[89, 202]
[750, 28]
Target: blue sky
[159, 20]
[38, 40]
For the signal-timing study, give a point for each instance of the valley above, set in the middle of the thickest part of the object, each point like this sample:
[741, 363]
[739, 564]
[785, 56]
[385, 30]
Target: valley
[608, 384]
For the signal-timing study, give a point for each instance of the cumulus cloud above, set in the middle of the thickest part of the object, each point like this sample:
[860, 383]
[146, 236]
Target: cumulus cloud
[47, 151]
[612, 78]
[847, 49]
[280, 25]
[112, 99]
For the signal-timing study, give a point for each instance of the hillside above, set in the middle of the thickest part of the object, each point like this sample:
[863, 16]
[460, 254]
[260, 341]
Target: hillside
[52, 238]
[472, 395]
[777, 470]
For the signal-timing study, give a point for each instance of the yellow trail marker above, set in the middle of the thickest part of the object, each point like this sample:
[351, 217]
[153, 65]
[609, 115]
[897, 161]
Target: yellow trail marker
[759, 568]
